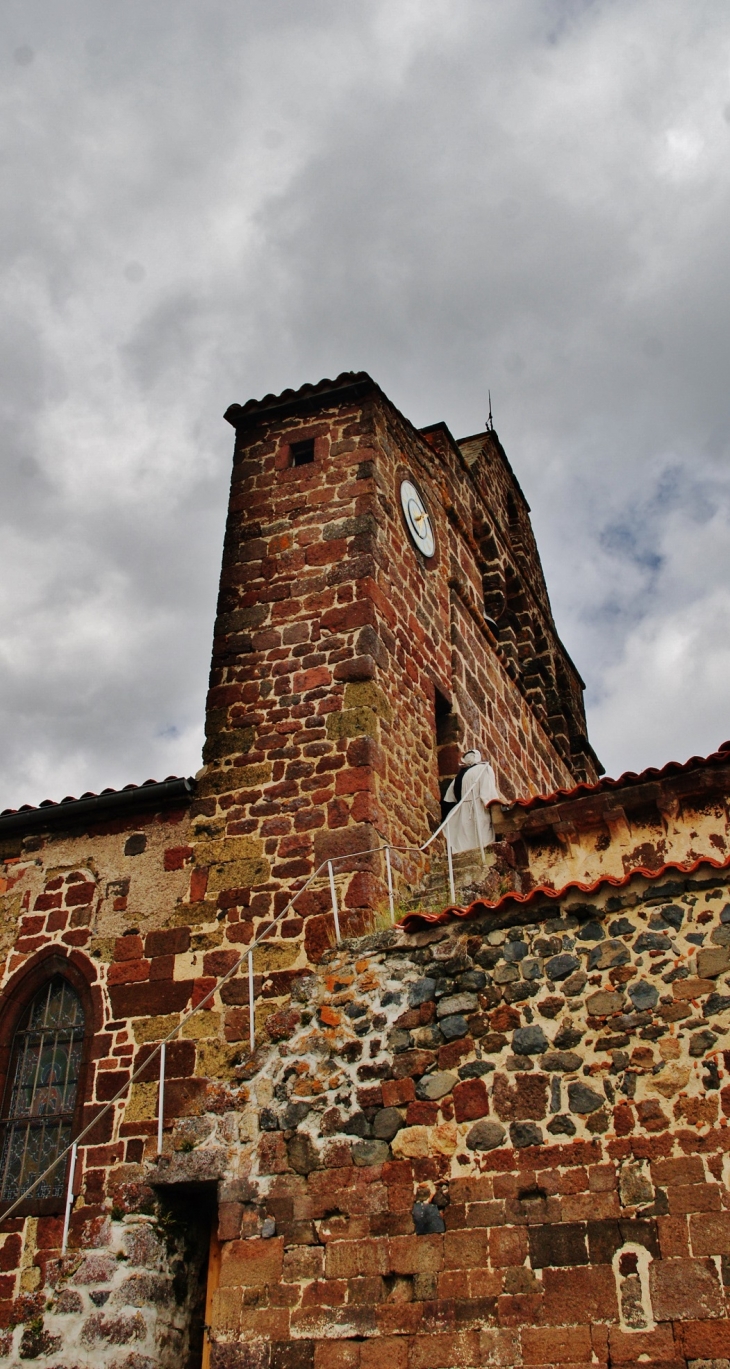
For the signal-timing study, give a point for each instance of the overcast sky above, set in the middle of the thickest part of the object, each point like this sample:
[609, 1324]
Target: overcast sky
[207, 201]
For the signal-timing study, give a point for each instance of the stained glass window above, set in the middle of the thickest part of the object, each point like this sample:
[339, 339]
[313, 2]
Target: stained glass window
[41, 1091]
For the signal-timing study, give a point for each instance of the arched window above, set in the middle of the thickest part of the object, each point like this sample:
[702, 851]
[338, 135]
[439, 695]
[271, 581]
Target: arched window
[40, 1094]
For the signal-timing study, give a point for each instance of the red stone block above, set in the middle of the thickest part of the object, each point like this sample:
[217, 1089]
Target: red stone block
[83, 892]
[686, 1170]
[397, 1092]
[453, 1051]
[198, 885]
[557, 1345]
[109, 1082]
[499, 1348]
[217, 963]
[78, 938]
[201, 988]
[151, 998]
[337, 1354]
[176, 857]
[422, 1114]
[251, 1263]
[466, 1249]
[581, 1294]
[710, 1233]
[470, 1100]
[507, 1246]
[128, 947]
[45, 902]
[129, 971]
[384, 1352]
[623, 1119]
[10, 1253]
[444, 1351]
[685, 1290]
[673, 1237]
[704, 1339]
[632, 1346]
[370, 1096]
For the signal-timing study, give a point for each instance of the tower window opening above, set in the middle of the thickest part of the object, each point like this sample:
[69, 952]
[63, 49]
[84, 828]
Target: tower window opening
[302, 453]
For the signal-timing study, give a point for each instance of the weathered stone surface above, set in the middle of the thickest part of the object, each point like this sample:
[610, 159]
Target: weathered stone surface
[436, 1085]
[608, 955]
[370, 1152]
[453, 1028]
[712, 962]
[561, 1061]
[458, 1003]
[386, 1123]
[486, 1136]
[583, 1099]
[529, 1040]
[427, 1219]
[523, 1134]
[423, 991]
[644, 996]
[604, 1003]
[560, 966]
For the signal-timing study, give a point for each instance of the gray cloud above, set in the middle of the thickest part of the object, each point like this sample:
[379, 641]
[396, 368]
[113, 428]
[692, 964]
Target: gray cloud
[206, 203]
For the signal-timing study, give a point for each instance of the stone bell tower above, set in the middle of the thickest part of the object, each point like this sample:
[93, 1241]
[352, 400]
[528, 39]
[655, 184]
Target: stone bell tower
[381, 604]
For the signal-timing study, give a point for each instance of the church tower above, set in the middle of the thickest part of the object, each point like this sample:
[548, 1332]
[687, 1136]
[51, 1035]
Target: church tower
[382, 605]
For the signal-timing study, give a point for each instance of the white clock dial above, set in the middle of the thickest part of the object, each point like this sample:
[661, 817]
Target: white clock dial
[417, 519]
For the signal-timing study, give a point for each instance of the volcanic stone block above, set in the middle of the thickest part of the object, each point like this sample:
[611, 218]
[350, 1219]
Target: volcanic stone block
[524, 1099]
[529, 1040]
[386, 1123]
[486, 1136]
[608, 955]
[560, 966]
[561, 1244]
[583, 1099]
[713, 961]
[644, 996]
[436, 1085]
[523, 1134]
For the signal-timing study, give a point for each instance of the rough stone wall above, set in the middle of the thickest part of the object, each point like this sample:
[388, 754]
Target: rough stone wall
[499, 1142]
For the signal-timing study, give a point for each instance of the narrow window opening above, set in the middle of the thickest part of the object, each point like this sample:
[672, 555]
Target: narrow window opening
[40, 1097]
[302, 453]
[447, 744]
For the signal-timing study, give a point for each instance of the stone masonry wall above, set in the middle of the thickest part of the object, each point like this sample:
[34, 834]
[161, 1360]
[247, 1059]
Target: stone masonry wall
[497, 1142]
[333, 636]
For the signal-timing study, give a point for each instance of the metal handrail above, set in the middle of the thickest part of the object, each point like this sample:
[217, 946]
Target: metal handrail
[161, 1047]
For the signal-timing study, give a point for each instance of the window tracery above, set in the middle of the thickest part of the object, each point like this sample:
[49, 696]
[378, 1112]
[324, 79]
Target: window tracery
[40, 1095]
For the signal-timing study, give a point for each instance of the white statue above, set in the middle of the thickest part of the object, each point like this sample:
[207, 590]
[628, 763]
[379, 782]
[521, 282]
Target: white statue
[471, 827]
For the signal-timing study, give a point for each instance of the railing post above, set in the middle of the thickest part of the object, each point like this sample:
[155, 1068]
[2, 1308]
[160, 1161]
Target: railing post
[251, 1007]
[69, 1199]
[476, 825]
[390, 884]
[335, 909]
[161, 1098]
[451, 866]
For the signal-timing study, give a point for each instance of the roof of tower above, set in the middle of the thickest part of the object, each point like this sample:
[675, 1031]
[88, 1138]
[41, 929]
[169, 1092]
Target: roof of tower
[347, 385]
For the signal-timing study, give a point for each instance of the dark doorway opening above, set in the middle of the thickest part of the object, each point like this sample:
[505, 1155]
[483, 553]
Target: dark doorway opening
[189, 1219]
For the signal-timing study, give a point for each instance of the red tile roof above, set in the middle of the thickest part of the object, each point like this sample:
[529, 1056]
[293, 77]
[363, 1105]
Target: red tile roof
[412, 922]
[629, 779]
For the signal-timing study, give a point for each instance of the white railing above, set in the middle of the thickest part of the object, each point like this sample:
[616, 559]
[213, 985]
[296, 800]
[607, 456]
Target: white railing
[161, 1047]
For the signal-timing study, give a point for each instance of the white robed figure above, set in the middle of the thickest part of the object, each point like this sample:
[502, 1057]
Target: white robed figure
[471, 827]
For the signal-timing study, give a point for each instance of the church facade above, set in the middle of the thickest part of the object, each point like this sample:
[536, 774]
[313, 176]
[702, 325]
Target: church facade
[388, 1126]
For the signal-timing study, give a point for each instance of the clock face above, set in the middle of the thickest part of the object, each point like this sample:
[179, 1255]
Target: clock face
[417, 519]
